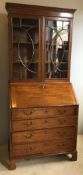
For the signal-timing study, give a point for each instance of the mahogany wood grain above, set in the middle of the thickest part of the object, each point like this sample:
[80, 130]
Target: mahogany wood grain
[21, 9]
[56, 146]
[44, 112]
[43, 123]
[43, 135]
[34, 95]
[12, 164]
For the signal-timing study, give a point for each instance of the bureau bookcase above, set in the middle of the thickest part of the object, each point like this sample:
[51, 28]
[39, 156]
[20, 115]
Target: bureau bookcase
[43, 106]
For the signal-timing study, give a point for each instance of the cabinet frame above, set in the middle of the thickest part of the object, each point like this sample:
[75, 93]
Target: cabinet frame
[49, 13]
[33, 102]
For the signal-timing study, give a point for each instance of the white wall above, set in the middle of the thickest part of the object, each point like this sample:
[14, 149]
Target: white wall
[77, 63]
[76, 60]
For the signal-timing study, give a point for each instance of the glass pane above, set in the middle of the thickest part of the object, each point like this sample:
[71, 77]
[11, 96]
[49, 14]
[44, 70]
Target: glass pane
[25, 48]
[57, 44]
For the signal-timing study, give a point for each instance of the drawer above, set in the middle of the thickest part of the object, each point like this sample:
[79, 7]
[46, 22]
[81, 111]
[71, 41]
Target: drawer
[44, 148]
[43, 135]
[43, 123]
[33, 113]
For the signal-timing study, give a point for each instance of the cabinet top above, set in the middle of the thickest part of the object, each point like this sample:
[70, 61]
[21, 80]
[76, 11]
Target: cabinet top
[40, 10]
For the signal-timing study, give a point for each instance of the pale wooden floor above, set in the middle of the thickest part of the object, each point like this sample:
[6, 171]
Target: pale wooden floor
[57, 165]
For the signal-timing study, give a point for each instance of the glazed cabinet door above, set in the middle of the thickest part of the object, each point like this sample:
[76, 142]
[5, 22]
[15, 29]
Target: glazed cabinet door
[57, 48]
[25, 63]
[40, 48]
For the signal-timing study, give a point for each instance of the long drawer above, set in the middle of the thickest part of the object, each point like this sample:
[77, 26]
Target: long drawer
[43, 123]
[43, 135]
[44, 148]
[43, 112]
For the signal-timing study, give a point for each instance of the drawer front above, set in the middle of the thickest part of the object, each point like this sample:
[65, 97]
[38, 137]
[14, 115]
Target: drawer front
[43, 135]
[32, 113]
[44, 148]
[43, 123]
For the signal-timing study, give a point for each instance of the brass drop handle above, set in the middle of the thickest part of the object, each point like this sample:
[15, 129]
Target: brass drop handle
[28, 149]
[26, 113]
[28, 137]
[29, 123]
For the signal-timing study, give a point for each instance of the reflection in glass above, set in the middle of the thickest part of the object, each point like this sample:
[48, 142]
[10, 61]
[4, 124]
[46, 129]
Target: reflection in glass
[57, 44]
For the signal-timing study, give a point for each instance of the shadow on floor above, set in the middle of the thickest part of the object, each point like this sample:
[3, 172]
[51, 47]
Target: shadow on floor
[4, 159]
